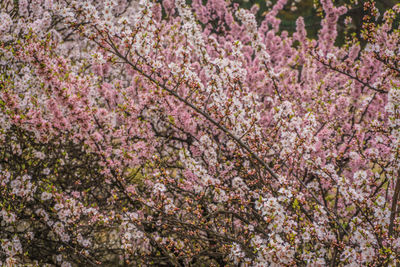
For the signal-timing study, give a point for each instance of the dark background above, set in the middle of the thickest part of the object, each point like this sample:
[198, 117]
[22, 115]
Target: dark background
[312, 13]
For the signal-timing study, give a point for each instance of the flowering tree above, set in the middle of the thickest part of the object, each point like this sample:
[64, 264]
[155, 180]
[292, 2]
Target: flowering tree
[167, 134]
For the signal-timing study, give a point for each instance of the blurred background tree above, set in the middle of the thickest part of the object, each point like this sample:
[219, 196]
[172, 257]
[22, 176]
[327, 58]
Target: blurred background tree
[311, 11]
